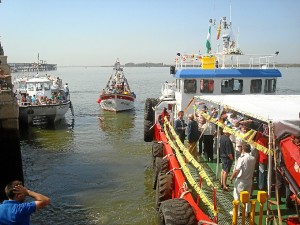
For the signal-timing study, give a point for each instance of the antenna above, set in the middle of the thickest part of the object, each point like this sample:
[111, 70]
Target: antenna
[38, 64]
[230, 12]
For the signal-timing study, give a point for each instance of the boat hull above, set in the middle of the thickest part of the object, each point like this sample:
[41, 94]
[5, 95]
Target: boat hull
[29, 114]
[116, 102]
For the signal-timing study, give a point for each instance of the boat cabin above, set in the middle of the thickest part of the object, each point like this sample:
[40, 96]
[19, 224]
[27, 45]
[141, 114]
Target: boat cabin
[39, 87]
[225, 75]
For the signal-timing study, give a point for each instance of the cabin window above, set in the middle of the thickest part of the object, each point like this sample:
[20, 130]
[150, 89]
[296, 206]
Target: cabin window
[206, 86]
[39, 87]
[47, 86]
[270, 85]
[232, 86]
[255, 86]
[30, 87]
[190, 86]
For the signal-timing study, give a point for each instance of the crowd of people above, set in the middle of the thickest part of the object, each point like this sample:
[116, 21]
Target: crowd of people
[241, 160]
[26, 99]
[55, 98]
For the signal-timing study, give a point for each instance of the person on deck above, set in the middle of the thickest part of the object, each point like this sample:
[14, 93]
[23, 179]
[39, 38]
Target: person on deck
[193, 135]
[201, 125]
[243, 173]
[262, 162]
[14, 210]
[180, 126]
[164, 114]
[66, 90]
[208, 140]
[227, 156]
[33, 100]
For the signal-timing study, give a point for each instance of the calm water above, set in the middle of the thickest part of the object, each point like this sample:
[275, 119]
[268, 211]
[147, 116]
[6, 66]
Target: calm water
[96, 167]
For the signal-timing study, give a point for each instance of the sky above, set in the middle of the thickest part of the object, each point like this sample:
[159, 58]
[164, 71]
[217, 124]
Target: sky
[97, 32]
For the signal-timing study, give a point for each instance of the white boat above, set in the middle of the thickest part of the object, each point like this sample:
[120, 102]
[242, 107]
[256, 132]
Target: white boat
[117, 96]
[42, 100]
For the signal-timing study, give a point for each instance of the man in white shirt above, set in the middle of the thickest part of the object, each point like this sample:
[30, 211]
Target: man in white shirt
[243, 172]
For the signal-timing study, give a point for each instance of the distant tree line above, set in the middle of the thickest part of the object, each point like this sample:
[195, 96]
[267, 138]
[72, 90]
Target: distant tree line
[145, 64]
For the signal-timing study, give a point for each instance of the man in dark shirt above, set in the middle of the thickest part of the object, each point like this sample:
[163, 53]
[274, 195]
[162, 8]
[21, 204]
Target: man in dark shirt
[179, 126]
[193, 135]
[227, 156]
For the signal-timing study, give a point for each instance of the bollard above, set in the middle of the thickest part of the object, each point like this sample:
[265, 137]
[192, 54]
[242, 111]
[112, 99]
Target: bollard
[261, 198]
[244, 197]
[235, 211]
[252, 212]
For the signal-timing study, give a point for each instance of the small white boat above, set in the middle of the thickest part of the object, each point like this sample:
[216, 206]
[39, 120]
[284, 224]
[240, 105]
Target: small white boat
[117, 96]
[42, 100]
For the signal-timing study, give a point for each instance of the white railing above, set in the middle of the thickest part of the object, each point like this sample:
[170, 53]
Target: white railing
[225, 61]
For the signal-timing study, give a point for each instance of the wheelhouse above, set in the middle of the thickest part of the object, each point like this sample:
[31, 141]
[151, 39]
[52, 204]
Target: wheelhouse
[39, 87]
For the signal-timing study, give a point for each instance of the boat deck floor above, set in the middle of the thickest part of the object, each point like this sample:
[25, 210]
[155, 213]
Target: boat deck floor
[225, 198]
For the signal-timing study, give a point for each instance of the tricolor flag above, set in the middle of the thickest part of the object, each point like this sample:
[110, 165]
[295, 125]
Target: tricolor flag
[208, 45]
[219, 30]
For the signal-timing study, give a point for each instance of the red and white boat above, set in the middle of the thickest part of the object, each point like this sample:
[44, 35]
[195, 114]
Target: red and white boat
[117, 96]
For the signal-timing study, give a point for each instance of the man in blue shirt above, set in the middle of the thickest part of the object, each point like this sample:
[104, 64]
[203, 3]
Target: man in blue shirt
[14, 210]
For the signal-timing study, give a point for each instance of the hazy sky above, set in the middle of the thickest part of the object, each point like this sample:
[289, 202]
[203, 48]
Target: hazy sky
[96, 32]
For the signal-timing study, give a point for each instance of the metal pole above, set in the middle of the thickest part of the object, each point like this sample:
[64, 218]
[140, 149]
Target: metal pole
[269, 168]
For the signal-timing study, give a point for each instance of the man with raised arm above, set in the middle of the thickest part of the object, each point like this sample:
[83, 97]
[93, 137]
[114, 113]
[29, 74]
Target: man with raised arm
[15, 210]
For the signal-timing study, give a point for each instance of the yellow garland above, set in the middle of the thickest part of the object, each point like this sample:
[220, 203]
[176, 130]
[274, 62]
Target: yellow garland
[248, 137]
[189, 157]
[186, 170]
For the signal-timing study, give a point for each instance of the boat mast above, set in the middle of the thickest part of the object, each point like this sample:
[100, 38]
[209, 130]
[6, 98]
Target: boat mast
[38, 65]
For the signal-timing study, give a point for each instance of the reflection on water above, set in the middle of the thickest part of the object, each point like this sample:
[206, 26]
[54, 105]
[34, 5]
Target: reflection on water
[53, 136]
[112, 122]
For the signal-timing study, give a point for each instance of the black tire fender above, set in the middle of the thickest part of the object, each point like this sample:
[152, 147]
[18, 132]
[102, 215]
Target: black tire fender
[148, 110]
[176, 211]
[157, 149]
[156, 169]
[164, 188]
[148, 131]
[159, 165]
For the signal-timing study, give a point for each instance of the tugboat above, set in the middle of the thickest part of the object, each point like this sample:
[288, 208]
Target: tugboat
[212, 85]
[117, 96]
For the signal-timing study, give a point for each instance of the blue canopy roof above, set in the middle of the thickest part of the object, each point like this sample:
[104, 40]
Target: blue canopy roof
[227, 73]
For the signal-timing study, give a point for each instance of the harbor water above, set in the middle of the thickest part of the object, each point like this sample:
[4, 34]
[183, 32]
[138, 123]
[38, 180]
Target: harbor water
[95, 166]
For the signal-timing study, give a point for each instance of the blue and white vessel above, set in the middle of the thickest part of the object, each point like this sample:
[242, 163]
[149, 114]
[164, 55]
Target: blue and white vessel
[227, 72]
